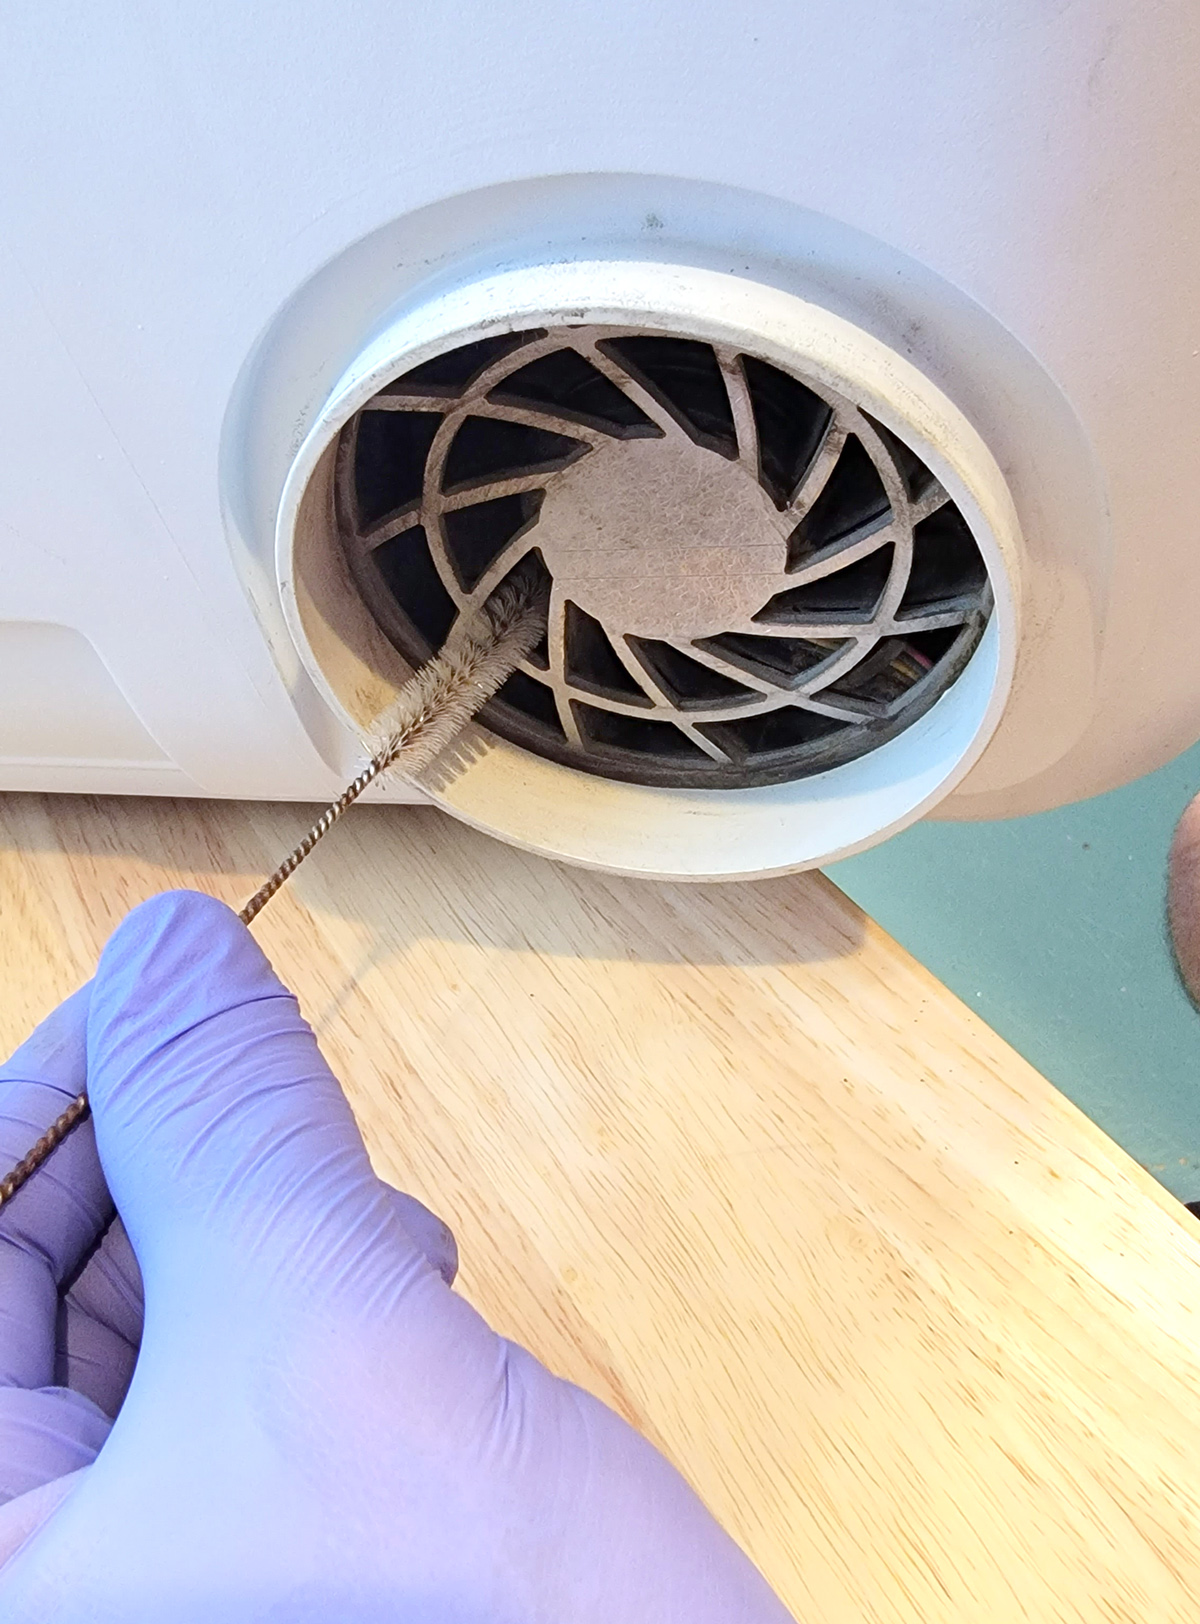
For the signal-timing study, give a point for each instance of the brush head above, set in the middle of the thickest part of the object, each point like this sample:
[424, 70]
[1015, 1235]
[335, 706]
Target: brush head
[445, 693]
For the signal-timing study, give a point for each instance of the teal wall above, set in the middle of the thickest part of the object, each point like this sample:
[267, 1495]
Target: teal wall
[1053, 927]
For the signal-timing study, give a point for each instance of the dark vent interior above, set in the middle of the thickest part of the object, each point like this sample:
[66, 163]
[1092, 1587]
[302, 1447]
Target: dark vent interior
[634, 734]
[853, 498]
[836, 658]
[850, 594]
[528, 697]
[774, 731]
[592, 664]
[577, 392]
[791, 423]
[691, 684]
[782, 660]
[946, 562]
[487, 448]
[457, 369]
[477, 535]
[686, 378]
[914, 475]
[389, 462]
[408, 572]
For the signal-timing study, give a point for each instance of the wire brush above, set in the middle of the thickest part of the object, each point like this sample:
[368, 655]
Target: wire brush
[426, 715]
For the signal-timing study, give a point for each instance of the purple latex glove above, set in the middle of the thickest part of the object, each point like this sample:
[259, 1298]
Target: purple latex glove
[317, 1428]
[70, 1294]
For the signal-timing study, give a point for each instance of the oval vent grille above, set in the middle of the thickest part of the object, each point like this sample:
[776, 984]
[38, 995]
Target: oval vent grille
[750, 579]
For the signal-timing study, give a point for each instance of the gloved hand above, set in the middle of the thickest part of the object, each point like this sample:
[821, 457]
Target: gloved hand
[318, 1428]
[70, 1293]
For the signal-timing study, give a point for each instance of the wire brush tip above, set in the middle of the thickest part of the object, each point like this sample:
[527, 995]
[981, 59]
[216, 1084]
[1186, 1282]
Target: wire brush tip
[446, 692]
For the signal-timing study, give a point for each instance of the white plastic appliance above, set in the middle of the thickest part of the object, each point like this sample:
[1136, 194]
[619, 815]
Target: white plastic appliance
[837, 364]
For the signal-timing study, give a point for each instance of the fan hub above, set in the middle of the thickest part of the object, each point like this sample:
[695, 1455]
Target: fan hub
[663, 538]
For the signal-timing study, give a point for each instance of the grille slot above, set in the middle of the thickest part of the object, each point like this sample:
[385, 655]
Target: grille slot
[805, 621]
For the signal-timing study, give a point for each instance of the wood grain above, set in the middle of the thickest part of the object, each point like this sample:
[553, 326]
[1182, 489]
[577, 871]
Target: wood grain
[923, 1338]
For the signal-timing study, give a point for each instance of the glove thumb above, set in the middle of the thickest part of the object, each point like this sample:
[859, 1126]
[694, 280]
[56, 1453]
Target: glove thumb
[223, 1134]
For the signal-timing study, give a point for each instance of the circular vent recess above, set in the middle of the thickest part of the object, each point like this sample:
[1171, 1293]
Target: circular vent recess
[778, 561]
[750, 580]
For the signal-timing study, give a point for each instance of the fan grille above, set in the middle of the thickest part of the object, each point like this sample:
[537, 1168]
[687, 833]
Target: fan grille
[749, 579]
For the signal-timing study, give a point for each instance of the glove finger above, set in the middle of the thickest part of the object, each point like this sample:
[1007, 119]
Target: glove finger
[100, 1323]
[50, 1224]
[229, 1146]
[435, 1238]
[46, 1433]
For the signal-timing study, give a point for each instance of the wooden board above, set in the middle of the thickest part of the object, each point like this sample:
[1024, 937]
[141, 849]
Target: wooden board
[923, 1338]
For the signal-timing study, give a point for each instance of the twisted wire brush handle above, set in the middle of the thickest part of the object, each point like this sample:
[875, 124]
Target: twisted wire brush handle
[318, 831]
[79, 1110]
[429, 711]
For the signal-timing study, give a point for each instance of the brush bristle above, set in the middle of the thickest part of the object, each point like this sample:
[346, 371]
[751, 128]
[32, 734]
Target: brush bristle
[439, 701]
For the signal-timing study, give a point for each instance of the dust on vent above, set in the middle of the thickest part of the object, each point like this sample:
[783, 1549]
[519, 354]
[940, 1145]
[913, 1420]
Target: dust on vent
[750, 580]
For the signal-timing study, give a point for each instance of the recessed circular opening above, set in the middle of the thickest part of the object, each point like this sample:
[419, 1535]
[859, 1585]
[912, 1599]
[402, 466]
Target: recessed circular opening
[778, 563]
[749, 578]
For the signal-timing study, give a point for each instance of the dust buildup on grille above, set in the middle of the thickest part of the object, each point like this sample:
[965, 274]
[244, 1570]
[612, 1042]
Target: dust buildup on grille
[917, 478]
[879, 599]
